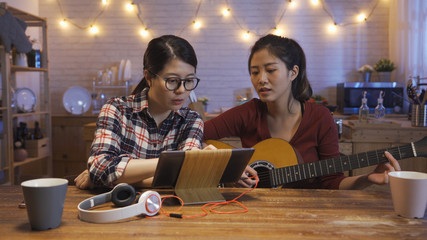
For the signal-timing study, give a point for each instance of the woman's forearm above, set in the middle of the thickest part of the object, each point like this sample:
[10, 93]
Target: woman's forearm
[138, 170]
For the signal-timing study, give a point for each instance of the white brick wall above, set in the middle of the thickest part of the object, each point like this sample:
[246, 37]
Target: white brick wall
[76, 56]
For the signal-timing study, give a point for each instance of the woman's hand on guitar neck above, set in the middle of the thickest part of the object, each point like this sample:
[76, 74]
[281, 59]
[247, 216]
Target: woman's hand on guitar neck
[380, 174]
[245, 181]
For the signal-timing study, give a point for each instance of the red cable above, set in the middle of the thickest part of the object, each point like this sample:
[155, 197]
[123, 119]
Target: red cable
[211, 208]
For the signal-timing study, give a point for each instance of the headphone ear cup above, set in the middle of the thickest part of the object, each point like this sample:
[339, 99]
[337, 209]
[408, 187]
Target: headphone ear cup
[151, 201]
[123, 195]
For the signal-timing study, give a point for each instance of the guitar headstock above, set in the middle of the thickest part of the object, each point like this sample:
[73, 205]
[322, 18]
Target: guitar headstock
[421, 147]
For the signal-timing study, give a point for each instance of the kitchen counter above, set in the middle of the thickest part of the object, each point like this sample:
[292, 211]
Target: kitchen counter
[390, 132]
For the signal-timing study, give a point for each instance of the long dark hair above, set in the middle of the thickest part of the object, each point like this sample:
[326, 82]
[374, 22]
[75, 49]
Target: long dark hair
[291, 53]
[160, 51]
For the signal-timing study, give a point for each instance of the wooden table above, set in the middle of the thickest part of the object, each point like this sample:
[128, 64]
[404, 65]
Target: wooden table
[273, 213]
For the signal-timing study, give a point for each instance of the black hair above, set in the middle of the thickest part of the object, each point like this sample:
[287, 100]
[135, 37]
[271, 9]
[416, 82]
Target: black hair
[291, 53]
[160, 51]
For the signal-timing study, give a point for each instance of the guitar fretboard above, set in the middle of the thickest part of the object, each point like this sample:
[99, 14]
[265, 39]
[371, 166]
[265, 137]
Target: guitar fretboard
[299, 172]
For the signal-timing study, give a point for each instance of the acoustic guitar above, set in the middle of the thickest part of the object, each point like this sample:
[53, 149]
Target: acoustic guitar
[276, 161]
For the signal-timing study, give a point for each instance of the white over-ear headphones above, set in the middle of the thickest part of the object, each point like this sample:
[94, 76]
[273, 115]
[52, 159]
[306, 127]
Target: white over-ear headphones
[122, 195]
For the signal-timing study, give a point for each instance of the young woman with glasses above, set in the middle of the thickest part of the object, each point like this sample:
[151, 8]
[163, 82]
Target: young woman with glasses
[133, 130]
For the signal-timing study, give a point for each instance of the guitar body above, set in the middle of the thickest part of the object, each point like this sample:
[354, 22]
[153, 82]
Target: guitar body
[269, 154]
[277, 152]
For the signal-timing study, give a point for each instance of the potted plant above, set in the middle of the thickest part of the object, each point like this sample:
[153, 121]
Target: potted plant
[204, 101]
[366, 71]
[384, 67]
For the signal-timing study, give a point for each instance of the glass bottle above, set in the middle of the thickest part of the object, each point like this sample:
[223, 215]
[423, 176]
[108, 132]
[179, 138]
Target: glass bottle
[364, 109]
[380, 109]
[37, 57]
[37, 132]
[34, 56]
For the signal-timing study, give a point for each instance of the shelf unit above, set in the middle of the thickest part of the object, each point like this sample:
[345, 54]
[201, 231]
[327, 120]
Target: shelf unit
[12, 172]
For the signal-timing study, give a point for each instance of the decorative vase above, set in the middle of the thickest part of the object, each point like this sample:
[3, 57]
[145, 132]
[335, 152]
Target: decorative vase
[384, 76]
[366, 77]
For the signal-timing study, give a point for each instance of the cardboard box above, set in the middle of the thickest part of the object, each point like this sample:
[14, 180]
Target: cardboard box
[37, 148]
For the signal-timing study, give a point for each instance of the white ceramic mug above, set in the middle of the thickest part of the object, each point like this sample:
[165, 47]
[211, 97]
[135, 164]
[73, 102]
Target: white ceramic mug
[44, 199]
[409, 193]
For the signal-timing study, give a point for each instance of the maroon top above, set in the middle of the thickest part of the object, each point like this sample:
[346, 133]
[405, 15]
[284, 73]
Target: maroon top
[315, 139]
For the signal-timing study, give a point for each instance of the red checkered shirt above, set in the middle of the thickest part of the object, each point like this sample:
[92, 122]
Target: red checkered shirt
[125, 130]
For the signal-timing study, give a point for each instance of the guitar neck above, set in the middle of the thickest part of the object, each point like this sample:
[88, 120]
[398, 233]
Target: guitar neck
[299, 172]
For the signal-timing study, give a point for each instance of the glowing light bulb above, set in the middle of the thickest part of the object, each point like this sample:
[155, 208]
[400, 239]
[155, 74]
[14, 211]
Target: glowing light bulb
[332, 28]
[292, 4]
[246, 35]
[63, 23]
[315, 2]
[226, 12]
[278, 31]
[129, 6]
[197, 24]
[93, 29]
[104, 2]
[144, 32]
[361, 17]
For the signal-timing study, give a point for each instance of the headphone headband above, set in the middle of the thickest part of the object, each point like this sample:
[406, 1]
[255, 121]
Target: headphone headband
[149, 203]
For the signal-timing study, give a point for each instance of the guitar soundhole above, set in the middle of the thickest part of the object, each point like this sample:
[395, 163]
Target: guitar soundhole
[263, 168]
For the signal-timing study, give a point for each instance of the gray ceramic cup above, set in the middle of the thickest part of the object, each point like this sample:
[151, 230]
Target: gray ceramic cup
[44, 199]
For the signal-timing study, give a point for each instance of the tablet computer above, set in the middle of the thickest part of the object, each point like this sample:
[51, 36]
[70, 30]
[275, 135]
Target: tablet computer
[170, 163]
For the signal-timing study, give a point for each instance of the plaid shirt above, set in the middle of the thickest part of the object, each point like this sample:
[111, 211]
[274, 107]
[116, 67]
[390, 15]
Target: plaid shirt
[125, 130]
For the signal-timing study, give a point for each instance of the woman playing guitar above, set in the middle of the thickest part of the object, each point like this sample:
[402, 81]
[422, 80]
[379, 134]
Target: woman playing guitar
[277, 67]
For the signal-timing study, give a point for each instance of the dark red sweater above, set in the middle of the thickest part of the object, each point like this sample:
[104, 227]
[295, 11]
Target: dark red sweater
[315, 139]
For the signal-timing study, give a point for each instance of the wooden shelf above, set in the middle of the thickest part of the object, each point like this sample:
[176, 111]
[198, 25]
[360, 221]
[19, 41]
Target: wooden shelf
[25, 16]
[15, 172]
[15, 68]
[16, 115]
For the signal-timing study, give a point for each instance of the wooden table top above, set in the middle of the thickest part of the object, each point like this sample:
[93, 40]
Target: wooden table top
[273, 213]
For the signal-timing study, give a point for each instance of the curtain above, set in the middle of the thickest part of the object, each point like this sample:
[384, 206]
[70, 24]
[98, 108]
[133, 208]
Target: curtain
[408, 38]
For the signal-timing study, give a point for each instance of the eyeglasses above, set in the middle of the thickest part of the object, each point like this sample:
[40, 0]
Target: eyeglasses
[173, 83]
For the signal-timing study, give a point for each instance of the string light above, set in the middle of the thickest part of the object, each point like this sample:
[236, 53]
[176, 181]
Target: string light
[130, 6]
[278, 31]
[315, 2]
[246, 35]
[93, 29]
[361, 17]
[144, 32]
[197, 24]
[63, 23]
[226, 12]
[332, 28]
